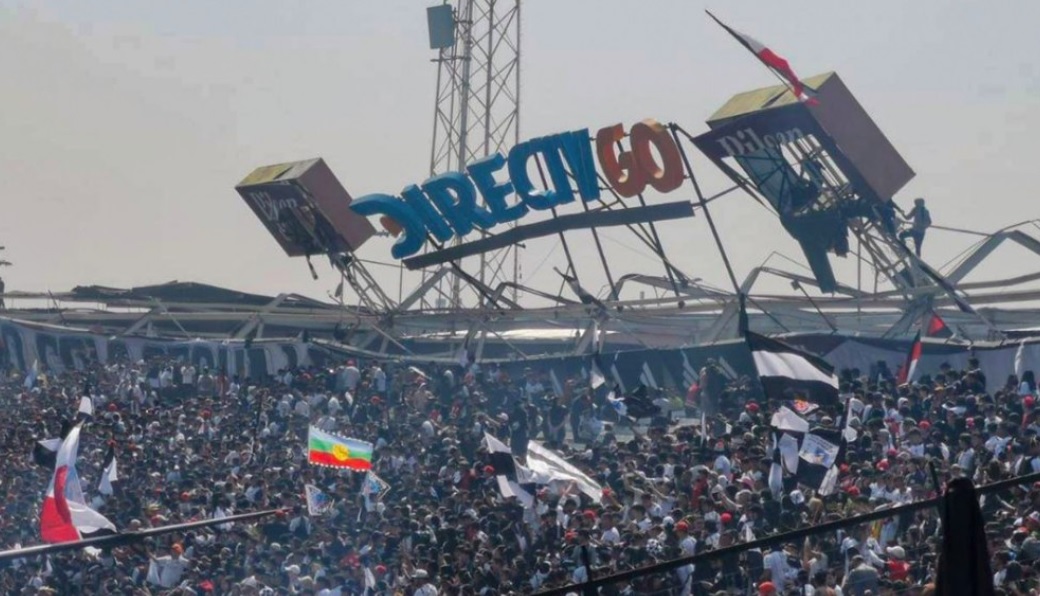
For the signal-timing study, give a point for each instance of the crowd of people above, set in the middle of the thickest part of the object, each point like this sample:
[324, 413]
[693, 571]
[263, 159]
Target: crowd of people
[196, 444]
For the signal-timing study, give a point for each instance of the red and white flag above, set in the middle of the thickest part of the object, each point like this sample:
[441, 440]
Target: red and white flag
[771, 59]
[909, 368]
[65, 516]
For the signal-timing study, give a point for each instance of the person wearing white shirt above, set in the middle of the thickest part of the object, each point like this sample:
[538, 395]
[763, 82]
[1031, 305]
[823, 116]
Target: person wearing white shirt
[998, 442]
[303, 409]
[610, 535]
[167, 571]
[351, 376]
[333, 406]
[379, 378]
[779, 570]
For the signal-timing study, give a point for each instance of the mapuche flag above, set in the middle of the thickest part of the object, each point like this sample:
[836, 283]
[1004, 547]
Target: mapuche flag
[325, 449]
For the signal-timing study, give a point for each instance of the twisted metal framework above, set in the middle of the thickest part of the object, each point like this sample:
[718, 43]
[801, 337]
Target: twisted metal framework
[477, 113]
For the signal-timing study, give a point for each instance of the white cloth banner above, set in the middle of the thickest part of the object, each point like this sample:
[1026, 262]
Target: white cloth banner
[819, 451]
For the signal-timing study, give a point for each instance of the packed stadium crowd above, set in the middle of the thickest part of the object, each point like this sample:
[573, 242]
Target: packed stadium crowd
[692, 476]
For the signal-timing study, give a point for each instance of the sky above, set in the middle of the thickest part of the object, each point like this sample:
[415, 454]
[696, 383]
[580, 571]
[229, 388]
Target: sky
[127, 124]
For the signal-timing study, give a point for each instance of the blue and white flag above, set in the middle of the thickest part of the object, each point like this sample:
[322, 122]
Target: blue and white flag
[318, 503]
[373, 486]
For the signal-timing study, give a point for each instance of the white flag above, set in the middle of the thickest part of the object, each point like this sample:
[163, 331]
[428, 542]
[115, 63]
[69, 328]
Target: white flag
[108, 476]
[1020, 360]
[596, 377]
[463, 357]
[30, 379]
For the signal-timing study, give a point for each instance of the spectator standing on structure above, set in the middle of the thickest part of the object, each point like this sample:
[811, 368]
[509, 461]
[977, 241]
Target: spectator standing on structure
[920, 220]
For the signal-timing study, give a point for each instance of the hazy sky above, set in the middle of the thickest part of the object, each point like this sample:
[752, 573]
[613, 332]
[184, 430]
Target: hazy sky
[127, 124]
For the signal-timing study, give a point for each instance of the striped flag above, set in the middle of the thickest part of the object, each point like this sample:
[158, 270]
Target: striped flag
[789, 373]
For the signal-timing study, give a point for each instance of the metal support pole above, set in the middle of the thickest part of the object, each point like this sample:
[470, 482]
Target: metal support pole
[658, 247]
[704, 206]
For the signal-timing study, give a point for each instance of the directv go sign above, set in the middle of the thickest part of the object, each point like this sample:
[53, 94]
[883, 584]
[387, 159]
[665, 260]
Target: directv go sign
[446, 206]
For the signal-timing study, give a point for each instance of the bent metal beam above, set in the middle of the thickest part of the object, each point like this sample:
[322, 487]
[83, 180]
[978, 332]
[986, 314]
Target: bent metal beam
[577, 221]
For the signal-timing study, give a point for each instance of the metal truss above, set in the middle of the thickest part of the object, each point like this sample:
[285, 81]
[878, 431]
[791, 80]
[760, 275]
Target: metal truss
[477, 113]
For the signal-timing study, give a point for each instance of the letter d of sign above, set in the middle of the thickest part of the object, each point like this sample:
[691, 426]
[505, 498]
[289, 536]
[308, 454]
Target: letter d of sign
[382, 204]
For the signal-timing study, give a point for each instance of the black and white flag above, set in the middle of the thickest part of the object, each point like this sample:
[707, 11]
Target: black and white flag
[789, 373]
[108, 473]
[510, 476]
[810, 455]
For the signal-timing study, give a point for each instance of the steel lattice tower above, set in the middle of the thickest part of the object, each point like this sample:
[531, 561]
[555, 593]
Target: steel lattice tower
[477, 111]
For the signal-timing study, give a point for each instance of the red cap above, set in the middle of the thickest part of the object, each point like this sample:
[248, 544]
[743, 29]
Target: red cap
[726, 518]
[766, 588]
[589, 514]
[1028, 401]
[853, 491]
[924, 425]
[682, 526]
[570, 536]
[380, 569]
[607, 492]
[489, 470]
[751, 407]
[893, 452]
[882, 465]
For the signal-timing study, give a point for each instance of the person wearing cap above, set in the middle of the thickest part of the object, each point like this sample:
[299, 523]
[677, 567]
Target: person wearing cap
[896, 567]
[166, 571]
[862, 579]
[420, 581]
